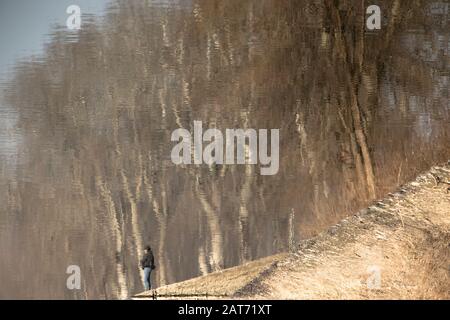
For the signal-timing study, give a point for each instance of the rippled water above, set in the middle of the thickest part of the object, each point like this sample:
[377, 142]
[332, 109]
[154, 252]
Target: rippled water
[85, 167]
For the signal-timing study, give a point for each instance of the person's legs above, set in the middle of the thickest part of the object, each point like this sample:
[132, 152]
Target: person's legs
[147, 284]
[148, 278]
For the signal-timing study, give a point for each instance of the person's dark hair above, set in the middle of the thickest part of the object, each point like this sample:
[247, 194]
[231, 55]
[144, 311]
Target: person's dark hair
[148, 248]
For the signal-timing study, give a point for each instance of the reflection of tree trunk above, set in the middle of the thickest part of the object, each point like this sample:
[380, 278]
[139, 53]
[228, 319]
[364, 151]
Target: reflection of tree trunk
[168, 276]
[132, 198]
[243, 214]
[352, 80]
[351, 148]
[362, 142]
[395, 10]
[134, 215]
[208, 57]
[358, 160]
[202, 261]
[162, 223]
[216, 257]
[161, 252]
[249, 170]
[400, 99]
[303, 137]
[116, 230]
[358, 118]
[358, 80]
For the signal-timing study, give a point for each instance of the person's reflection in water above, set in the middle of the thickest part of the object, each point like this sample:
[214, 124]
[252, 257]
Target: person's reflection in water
[147, 264]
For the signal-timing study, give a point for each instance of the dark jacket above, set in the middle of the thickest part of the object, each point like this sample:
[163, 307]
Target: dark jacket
[148, 261]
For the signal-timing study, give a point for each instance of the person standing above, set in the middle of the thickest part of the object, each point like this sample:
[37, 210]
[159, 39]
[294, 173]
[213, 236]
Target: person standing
[147, 264]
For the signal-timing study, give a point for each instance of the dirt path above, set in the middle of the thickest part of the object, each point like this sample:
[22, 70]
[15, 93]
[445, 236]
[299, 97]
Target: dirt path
[398, 248]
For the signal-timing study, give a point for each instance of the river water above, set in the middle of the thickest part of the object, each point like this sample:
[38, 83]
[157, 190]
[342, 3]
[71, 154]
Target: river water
[86, 176]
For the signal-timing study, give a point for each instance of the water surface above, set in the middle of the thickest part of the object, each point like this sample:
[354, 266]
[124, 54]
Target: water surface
[86, 174]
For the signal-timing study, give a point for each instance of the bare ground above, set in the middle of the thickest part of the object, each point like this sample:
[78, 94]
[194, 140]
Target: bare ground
[399, 248]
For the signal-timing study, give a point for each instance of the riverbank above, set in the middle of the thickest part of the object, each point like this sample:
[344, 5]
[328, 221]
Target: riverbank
[397, 248]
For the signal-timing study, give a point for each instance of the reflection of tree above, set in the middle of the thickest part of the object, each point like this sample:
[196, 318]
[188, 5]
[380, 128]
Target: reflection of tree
[97, 114]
